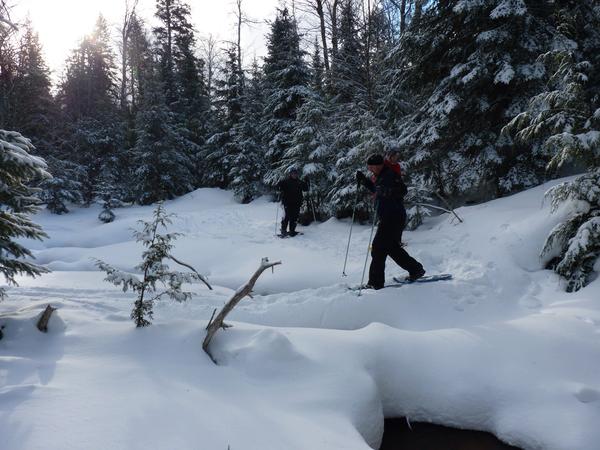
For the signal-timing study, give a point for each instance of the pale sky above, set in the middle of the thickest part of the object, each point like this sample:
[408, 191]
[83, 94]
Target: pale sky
[62, 23]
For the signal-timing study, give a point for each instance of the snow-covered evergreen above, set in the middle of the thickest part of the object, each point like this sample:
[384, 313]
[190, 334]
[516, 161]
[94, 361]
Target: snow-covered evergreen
[247, 164]
[220, 149]
[18, 171]
[473, 66]
[64, 187]
[572, 248]
[162, 155]
[286, 88]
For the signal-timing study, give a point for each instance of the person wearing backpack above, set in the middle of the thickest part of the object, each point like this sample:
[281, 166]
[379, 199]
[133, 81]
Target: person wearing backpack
[389, 190]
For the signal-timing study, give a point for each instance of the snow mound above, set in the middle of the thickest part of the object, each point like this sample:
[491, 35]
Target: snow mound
[308, 364]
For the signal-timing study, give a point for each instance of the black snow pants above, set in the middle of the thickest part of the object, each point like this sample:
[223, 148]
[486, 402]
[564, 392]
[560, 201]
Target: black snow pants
[292, 211]
[387, 243]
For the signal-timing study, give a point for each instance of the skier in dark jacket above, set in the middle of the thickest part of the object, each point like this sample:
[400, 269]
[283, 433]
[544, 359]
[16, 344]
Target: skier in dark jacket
[291, 196]
[389, 190]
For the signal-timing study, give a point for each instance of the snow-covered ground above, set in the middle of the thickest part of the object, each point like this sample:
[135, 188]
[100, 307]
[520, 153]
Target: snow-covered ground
[308, 364]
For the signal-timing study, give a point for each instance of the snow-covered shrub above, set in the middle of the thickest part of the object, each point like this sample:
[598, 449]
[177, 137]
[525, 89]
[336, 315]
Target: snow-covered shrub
[107, 194]
[106, 215]
[153, 269]
[572, 248]
[63, 187]
[17, 201]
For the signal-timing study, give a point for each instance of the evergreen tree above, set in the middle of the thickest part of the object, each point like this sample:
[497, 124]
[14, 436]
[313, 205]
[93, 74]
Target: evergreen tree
[140, 65]
[8, 68]
[34, 112]
[138, 57]
[18, 169]
[347, 75]
[470, 66]
[162, 153]
[88, 98]
[564, 122]
[311, 147]
[154, 269]
[355, 128]
[220, 150]
[559, 123]
[247, 164]
[33, 108]
[318, 73]
[355, 138]
[572, 248]
[286, 88]
[89, 85]
[64, 186]
[181, 71]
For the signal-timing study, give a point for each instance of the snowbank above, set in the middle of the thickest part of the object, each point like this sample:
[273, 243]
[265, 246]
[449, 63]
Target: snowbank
[308, 364]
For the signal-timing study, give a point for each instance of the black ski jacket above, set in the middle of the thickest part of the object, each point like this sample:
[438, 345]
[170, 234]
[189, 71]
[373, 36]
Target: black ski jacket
[291, 191]
[389, 190]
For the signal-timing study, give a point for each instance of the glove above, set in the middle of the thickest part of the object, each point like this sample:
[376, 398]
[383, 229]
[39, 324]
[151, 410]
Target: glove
[360, 177]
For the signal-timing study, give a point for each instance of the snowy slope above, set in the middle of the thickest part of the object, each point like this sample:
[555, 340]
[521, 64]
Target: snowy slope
[308, 364]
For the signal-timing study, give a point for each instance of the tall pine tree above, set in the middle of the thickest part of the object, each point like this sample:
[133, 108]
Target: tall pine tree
[88, 98]
[162, 152]
[286, 88]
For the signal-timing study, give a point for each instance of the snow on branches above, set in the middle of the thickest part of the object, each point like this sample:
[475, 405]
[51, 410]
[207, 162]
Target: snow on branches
[153, 269]
[572, 248]
[17, 201]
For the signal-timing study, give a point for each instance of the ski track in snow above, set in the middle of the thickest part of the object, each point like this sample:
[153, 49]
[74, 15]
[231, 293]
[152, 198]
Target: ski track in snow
[309, 364]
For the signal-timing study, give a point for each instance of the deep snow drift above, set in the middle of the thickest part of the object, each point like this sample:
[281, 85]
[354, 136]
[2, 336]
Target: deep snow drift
[308, 364]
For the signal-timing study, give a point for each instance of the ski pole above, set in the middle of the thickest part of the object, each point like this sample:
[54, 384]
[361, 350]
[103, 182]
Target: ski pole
[277, 218]
[362, 279]
[312, 204]
[350, 235]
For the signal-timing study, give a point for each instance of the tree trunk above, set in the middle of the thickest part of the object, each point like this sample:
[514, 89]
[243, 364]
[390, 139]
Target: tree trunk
[321, 14]
[242, 292]
[402, 16]
[129, 13]
[334, 29]
[239, 34]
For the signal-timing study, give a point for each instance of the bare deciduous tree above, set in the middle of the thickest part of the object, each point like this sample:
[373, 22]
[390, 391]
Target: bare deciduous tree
[316, 7]
[210, 55]
[241, 20]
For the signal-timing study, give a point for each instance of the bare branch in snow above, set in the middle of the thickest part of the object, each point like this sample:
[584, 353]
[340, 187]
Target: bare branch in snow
[242, 292]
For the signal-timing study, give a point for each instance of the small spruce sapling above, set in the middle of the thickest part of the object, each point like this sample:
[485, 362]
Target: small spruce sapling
[106, 193]
[154, 270]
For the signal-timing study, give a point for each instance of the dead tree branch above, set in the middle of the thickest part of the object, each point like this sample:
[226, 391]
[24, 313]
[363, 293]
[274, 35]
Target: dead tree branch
[242, 292]
[439, 208]
[201, 277]
[438, 195]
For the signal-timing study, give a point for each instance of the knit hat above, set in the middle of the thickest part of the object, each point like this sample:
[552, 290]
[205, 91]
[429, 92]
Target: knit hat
[375, 160]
